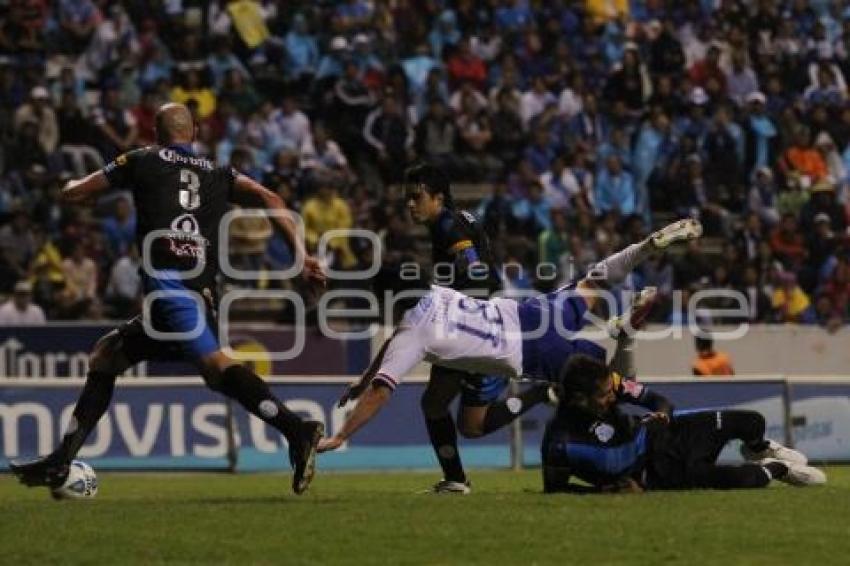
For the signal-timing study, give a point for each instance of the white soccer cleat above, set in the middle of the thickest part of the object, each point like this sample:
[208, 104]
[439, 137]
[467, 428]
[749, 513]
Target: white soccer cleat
[799, 475]
[681, 231]
[451, 487]
[634, 319]
[775, 451]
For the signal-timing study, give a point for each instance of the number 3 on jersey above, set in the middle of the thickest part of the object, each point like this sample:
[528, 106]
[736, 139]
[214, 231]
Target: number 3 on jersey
[190, 198]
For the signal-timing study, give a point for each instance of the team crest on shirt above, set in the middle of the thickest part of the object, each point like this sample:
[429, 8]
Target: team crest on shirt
[186, 224]
[185, 239]
[603, 431]
[121, 159]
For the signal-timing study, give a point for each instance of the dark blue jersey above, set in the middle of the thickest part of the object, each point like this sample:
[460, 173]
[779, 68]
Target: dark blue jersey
[600, 450]
[181, 197]
[460, 253]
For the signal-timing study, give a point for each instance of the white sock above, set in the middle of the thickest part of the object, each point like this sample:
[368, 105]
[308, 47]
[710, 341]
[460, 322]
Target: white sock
[615, 268]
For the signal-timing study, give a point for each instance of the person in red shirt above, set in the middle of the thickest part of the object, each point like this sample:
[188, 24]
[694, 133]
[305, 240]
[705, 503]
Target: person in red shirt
[787, 243]
[145, 114]
[709, 68]
[837, 288]
[465, 66]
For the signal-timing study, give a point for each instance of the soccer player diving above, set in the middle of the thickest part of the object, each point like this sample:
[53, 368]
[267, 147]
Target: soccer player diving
[592, 439]
[502, 337]
[181, 199]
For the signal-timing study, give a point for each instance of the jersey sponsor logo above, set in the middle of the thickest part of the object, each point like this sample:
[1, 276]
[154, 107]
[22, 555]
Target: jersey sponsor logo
[172, 156]
[186, 240]
[468, 216]
[603, 431]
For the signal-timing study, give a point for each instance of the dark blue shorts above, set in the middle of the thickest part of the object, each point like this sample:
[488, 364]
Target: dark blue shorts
[178, 310]
[475, 390]
[480, 391]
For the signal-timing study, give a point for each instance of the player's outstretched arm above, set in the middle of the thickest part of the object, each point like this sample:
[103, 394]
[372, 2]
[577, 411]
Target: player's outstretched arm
[370, 403]
[83, 191]
[354, 390]
[271, 201]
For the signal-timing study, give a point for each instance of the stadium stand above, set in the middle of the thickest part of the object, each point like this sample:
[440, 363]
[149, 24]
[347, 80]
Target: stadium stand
[570, 129]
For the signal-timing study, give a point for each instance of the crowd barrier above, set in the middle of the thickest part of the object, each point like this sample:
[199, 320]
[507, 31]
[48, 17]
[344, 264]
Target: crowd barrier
[177, 424]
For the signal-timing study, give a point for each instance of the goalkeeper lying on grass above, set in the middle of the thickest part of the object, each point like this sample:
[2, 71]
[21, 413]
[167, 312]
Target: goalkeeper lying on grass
[592, 439]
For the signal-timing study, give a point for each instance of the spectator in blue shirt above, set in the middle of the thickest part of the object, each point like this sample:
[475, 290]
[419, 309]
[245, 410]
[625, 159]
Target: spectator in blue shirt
[615, 189]
[540, 153]
[301, 49]
[120, 228]
[514, 15]
[445, 33]
[532, 215]
[222, 60]
[331, 65]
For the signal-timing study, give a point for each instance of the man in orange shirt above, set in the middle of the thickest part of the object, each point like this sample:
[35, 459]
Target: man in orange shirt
[804, 158]
[709, 361]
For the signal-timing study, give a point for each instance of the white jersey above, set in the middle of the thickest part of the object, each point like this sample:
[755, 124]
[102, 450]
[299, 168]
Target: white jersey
[449, 329]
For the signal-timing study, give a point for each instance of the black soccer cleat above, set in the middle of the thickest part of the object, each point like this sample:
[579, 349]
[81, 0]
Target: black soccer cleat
[302, 455]
[48, 471]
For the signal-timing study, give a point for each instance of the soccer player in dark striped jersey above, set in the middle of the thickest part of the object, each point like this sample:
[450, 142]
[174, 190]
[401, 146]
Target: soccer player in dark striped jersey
[592, 439]
[181, 199]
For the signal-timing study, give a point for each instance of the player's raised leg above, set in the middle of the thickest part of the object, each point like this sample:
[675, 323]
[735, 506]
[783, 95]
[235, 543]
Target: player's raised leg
[615, 268]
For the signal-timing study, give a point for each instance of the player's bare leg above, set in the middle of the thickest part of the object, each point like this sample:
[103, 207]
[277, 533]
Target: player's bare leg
[106, 363]
[236, 381]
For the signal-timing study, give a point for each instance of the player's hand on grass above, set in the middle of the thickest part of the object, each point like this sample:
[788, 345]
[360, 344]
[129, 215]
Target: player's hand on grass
[329, 443]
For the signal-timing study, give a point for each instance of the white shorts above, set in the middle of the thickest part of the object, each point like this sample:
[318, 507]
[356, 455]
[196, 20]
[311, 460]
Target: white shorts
[449, 329]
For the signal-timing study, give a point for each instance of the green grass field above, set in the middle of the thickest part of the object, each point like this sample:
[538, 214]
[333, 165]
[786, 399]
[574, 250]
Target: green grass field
[381, 519]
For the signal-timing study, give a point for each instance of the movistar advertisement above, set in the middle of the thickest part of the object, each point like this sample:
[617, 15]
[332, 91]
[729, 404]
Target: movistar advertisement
[186, 426]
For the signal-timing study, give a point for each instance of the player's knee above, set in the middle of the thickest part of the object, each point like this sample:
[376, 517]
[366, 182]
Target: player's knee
[107, 356]
[213, 368]
[471, 428]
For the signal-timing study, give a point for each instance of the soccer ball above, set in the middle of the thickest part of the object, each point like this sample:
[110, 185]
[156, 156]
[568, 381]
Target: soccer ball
[81, 482]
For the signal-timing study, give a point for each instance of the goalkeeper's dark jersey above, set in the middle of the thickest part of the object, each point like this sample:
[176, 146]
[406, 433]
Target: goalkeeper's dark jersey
[599, 450]
[458, 240]
[180, 200]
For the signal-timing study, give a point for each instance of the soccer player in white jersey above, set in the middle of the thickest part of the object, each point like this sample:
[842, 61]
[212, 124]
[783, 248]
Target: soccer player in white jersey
[533, 338]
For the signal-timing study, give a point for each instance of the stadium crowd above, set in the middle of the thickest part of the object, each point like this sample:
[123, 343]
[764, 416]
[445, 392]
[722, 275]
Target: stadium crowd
[588, 122]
